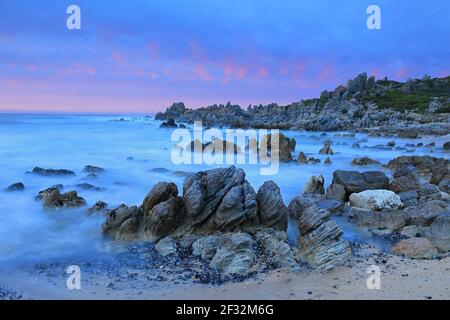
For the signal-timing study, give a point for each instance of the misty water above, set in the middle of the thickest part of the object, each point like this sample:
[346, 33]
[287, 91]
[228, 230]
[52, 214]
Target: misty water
[30, 234]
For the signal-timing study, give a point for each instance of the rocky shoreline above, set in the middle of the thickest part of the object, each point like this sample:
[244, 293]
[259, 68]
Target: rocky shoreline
[417, 107]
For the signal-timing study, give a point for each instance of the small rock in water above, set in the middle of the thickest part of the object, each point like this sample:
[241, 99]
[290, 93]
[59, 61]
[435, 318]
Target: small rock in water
[52, 172]
[19, 186]
[93, 169]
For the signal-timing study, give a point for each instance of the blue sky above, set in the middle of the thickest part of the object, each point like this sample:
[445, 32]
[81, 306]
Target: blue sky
[140, 56]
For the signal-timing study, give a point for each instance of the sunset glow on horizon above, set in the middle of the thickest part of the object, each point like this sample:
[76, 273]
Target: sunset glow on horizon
[141, 56]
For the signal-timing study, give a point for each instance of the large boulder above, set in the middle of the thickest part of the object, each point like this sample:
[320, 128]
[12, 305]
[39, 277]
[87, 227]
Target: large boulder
[123, 222]
[272, 210]
[439, 232]
[320, 244]
[417, 248]
[405, 179]
[425, 213]
[354, 181]
[276, 247]
[336, 192]
[391, 220]
[376, 200]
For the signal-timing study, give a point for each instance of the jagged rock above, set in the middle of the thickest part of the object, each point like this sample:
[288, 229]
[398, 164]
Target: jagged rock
[364, 161]
[315, 185]
[376, 200]
[320, 243]
[52, 198]
[337, 192]
[354, 181]
[326, 149]
[327, 161]
[166, 247]
[19, 186]
[417, 248]
[302, 158]
[98, 206]
[123, 222]
[93, 169]
[323, 248]
[272, 210]
[391, 220]
[434, 169]
[439, 232]
[284, 147]
[52, 172]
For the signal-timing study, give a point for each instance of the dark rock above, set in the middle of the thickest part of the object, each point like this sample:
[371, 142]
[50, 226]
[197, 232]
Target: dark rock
[354, 181]
[272, 210]
[52, 198]
[19, 186]
[364, 161]
[52, 172]
[98, 207]
[337, 192]
[93, 169]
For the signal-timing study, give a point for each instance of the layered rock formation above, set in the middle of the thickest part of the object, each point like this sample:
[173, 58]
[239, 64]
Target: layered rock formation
[218, 200]
[419, 106]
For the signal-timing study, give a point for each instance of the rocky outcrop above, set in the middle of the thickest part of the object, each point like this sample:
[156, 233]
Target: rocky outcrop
[417, 248]
[376, 200]
[363, 103]
[354, 181]
[320, 244]
[433, 169]
[218, 200]
[52, 198]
